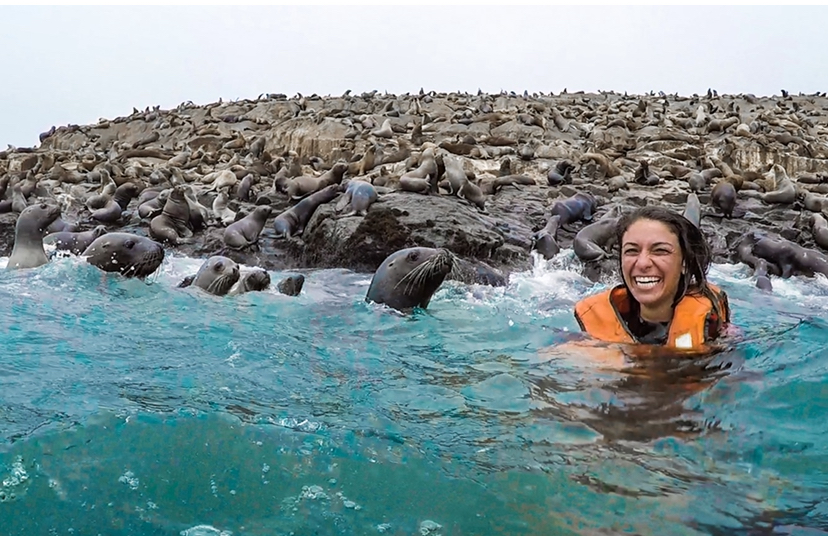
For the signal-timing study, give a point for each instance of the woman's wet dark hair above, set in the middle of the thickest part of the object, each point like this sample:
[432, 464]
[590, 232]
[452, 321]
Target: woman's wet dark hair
[695, 250]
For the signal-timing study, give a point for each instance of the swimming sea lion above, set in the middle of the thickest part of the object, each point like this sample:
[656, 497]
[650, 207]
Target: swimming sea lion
[409, 277]
[253, 281]
[246, 231]
[692, 210]
[128, 254]
[292, 221]
[217, 276]
[28, 249]
[291, 285]
[75, 243]
[478, 273]
[724, 197]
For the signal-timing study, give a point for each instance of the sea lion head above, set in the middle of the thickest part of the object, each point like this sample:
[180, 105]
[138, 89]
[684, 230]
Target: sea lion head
[217, 275]
[409, 277]
[128, 254]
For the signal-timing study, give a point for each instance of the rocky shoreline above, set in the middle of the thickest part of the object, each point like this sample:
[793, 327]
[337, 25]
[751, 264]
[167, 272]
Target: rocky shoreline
[621, 149]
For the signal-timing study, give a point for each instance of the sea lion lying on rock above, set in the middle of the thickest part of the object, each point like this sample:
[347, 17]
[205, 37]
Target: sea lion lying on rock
[580, 206]
[790, 257]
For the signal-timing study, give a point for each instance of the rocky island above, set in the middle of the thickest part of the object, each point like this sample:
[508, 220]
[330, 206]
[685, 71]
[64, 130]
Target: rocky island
[346, 181]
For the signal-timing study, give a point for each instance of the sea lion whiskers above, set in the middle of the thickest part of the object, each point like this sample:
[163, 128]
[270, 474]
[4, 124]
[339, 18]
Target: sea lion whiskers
[444, 261]
[139, 268]
[414, 278]
[152, 278]
[221, 284]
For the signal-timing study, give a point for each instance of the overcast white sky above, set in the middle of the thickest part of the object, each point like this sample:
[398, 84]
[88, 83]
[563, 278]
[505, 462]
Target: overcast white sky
[64, 65]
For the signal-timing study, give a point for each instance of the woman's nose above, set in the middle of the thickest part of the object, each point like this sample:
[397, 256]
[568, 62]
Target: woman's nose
[643, 260]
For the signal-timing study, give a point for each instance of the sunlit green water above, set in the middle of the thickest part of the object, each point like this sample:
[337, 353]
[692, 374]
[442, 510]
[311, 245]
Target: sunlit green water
[135, 408]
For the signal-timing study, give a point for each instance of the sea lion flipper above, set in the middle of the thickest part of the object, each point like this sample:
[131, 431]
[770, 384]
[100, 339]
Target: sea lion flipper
[343, 202]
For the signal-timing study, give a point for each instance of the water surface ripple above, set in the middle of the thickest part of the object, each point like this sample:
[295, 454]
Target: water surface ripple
[131, 407]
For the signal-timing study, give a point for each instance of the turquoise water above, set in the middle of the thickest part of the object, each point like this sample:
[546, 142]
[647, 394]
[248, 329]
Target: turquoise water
[131, 407]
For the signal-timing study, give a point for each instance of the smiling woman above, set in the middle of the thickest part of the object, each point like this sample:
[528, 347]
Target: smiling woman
[665, 298]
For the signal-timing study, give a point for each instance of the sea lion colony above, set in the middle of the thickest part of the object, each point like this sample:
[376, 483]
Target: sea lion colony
[485, 176]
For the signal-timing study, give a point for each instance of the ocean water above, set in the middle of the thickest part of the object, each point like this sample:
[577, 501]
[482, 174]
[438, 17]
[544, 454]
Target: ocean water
[130, 407]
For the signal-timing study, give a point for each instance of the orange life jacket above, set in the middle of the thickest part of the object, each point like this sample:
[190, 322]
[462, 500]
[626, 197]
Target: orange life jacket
[697, 318]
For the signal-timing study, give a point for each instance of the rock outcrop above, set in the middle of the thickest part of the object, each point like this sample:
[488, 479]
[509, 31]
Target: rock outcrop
[507, 145]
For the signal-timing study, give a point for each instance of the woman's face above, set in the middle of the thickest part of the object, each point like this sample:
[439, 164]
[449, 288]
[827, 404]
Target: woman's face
[651, 263]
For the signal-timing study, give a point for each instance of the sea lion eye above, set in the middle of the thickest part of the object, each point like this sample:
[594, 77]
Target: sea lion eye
[43, 206]
[219, 267]
[413, 256]
[129, 244]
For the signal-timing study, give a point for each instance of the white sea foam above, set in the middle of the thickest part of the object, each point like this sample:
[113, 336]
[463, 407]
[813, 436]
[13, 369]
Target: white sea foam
[558, 279]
